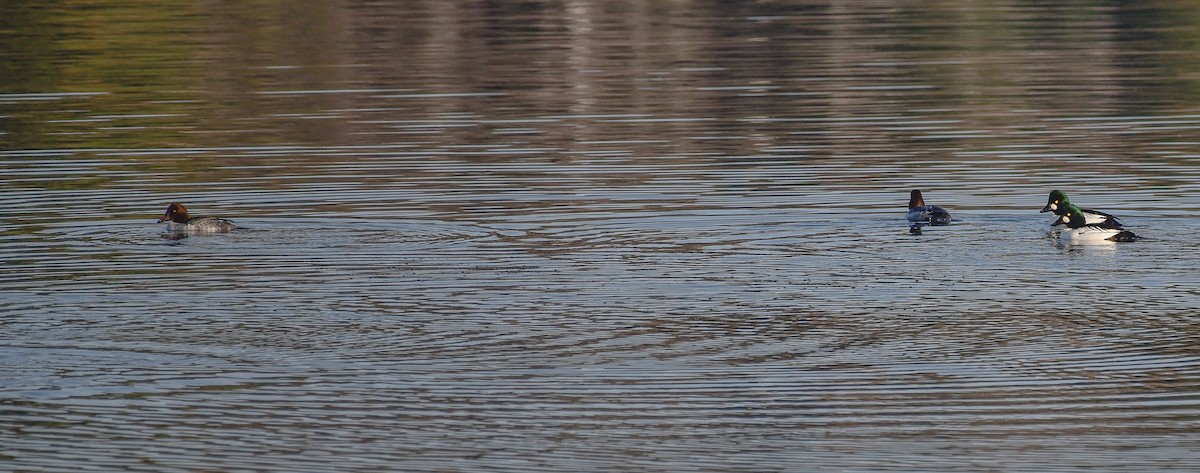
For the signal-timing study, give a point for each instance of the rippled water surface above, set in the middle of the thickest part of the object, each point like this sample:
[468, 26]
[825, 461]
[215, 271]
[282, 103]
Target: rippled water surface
[597, 236]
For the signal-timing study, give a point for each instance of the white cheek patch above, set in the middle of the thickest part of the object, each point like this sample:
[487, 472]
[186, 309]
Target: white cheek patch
[1066, 219]
[1054, 206]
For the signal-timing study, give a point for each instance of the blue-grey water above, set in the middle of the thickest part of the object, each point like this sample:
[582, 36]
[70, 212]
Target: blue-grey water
[597, 236]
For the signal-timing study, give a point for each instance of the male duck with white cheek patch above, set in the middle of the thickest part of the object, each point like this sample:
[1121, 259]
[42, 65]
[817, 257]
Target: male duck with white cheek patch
[1080, 232]
[1058, 204]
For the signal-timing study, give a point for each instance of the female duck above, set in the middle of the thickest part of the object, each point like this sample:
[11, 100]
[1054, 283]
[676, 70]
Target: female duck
[1081, 232]
[1058, 204]
[921, 214]
[178, 221]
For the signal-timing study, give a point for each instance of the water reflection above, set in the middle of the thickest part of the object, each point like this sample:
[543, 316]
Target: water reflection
[494, 235]
[211, 75]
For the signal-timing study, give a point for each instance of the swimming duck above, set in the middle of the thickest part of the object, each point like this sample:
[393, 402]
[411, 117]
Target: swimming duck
[1081, 232]
[1058, 204]
[921, 214]
[178, 221]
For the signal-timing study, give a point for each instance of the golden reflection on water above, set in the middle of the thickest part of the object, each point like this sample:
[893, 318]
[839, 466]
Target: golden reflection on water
[947, 78]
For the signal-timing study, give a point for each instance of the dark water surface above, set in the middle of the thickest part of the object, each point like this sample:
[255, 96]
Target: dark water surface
[597, 236]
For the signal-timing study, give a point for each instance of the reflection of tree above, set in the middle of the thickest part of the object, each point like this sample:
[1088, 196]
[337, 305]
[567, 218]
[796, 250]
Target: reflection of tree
[128, 58]
[754, 75]
[25, 49]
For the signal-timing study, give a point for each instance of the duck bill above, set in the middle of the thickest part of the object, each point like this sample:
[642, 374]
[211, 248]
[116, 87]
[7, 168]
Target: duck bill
[164, 219]
[1046, 209]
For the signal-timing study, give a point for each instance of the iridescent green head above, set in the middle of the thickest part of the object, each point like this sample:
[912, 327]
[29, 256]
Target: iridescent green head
[1072, 217]
[1057, 203]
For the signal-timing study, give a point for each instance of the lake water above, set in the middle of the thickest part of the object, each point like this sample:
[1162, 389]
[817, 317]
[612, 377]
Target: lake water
[597, 236]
